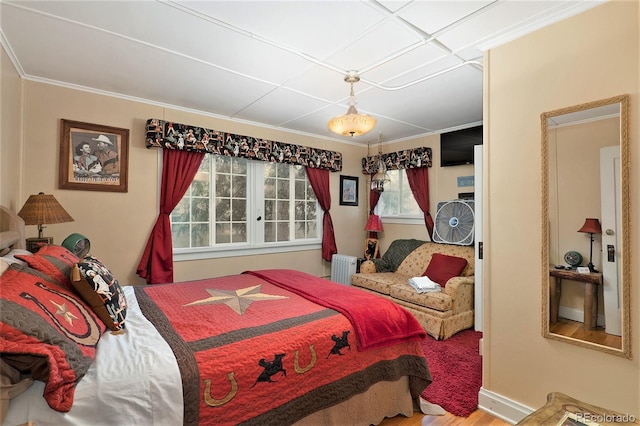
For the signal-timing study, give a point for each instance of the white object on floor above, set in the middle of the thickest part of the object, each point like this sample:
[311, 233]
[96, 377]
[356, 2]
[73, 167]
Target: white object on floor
[431, 409]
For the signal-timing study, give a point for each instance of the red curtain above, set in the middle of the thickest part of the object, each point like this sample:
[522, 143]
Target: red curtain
[374, 197]
[178, 170]
[319, 180]
[419, 182]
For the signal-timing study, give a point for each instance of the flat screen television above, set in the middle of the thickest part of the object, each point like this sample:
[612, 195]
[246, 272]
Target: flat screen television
[456, 147]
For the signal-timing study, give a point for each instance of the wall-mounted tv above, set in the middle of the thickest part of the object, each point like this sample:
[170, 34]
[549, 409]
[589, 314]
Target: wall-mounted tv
[456, 147]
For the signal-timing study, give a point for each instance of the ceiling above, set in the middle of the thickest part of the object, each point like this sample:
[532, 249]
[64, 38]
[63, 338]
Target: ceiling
[279, 64]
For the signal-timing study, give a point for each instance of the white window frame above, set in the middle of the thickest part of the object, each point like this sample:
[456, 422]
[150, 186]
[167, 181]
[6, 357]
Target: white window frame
[403, 219]
[255, 208]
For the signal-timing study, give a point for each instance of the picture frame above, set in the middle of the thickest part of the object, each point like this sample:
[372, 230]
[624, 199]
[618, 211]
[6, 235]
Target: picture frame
[348, 190]
[370, 248]
[93, 157]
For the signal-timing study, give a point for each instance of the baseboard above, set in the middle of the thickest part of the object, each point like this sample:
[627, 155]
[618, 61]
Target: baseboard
[504, 408]
[578, 315]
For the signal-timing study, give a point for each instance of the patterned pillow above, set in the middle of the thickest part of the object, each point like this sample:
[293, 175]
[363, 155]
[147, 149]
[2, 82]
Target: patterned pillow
[442, 267]
[54, 261]
[97, 286]
[48, 332]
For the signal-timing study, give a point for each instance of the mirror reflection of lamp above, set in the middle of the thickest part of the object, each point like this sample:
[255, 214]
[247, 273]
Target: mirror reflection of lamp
[591, 226]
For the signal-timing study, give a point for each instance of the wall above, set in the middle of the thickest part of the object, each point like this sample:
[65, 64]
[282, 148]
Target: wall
[574, 194]
[591, 56]
[10, 133]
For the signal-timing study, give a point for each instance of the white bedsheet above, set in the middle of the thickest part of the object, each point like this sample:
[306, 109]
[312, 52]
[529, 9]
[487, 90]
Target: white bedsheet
[134, 380]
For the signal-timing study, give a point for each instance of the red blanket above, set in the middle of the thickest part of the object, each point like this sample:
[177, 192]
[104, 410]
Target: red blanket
[252, 352]
[378, 322]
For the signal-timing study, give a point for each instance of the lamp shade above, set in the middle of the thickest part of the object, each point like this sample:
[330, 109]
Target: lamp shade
[43, 209]
[591, 226]
[352, 123]
[374, 224]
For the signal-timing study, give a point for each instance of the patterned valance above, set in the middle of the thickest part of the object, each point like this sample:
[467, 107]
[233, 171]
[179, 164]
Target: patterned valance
[170, 135]
[405, 159]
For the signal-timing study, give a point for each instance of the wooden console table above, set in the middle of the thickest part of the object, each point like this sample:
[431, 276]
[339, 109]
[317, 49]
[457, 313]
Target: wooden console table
[591, 282]
[558, 405]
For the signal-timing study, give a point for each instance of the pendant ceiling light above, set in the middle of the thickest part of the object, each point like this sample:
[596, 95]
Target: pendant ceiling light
[352, 123]
[381, 177]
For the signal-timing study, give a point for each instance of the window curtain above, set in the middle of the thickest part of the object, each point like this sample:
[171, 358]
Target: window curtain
[419, 182]
[319, 180]
[178, 170]
[374, 197]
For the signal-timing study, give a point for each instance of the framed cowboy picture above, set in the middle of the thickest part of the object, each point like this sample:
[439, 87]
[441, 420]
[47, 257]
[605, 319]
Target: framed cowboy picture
[93, 157]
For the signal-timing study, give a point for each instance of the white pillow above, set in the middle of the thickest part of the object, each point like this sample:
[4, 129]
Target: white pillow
[10, 257]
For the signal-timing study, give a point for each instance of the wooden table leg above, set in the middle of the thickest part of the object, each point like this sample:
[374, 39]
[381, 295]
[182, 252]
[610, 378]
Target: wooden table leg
[555, 291]
[590, 305]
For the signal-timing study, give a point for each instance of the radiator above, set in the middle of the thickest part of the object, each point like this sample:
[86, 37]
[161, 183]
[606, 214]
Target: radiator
[342, 267]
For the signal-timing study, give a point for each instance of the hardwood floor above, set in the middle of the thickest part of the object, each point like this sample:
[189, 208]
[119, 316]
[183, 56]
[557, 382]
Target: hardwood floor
[575, 329]
[477, 418]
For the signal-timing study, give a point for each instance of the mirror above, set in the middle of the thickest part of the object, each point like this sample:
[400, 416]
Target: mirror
[585, 225]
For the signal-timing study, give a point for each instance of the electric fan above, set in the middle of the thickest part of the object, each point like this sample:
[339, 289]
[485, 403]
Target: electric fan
[454, 222]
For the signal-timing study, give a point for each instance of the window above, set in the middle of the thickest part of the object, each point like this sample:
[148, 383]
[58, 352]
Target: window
[235, 204]
[397, 202]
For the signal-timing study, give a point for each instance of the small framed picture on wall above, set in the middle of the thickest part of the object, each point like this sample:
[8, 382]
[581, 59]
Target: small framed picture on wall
[348, 190]
[93, 157]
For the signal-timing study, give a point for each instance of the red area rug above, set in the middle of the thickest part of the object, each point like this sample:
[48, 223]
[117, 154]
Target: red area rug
[456, 370]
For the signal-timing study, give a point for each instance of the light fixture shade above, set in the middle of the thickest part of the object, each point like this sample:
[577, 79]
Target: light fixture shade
[374, 224]
[352, 123]
[591, 226]
[43, 209]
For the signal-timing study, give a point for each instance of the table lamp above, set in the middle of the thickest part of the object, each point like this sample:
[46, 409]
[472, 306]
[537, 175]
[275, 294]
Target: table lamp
[374, 225]
[39, 210]
[591, 226]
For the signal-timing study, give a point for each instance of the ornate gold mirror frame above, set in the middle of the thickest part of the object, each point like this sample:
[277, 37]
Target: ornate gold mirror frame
[552, 258]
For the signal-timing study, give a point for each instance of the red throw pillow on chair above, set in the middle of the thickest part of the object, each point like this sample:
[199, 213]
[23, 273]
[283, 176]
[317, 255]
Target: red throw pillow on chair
[443, 267]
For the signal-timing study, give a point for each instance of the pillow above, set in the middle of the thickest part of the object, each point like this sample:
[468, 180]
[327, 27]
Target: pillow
[54, 261]
[3, 266]
[47, 332]
[443, 267]
[95, 283]
[11, 256]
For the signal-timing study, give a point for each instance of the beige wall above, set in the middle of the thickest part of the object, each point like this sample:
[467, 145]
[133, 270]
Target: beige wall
[591, 56]
[574, 195]
[10, 133]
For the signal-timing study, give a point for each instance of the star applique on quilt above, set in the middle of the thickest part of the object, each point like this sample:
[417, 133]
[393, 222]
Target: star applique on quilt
[238, 300]
[64, 312]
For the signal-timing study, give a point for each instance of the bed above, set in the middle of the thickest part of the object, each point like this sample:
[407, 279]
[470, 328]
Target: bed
[262, 347]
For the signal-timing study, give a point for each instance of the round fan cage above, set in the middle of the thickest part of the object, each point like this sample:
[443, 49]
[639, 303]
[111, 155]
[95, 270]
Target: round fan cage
[454, 222]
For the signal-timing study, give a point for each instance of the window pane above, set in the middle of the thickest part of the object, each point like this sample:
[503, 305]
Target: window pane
[181, 212]
[223, 233]
[269, 209]
[270, 169]
[312, 230]
[223, 164]
[301, 190]
[283, 189]
[283, 231]
[300, 230]
[270, 188]
[311, 211]
[223, 185]
[283, 210]
[199, 210]
[300, 211]
[283, 170]
[200, 235]
[269, 232]
[223, 210]
[180, 235]
[239, 232]
[239, 188]
[239, 211]
[200, 185]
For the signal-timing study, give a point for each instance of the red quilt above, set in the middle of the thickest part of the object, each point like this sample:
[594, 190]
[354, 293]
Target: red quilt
[252, 352]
